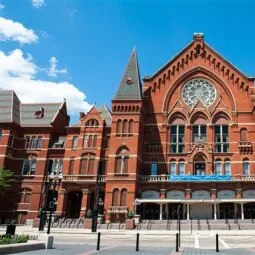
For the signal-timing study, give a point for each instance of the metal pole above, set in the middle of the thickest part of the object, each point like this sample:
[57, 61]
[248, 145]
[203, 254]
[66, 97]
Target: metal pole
[176, 243]
[137, 242]
[98, 241]
[49, 223]
[217, 243]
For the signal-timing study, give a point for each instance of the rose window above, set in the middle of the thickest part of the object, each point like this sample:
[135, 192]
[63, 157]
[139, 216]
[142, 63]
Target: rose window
[198, 90]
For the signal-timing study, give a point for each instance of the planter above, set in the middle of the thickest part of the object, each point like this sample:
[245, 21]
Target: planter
[36, 223]
[130, 224]
[87, 223]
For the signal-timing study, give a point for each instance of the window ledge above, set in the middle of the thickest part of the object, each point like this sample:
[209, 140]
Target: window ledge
[122, 174]
[28, 175]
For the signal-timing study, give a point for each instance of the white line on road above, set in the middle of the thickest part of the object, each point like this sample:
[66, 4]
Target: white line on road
[224, 244]
[196, 242]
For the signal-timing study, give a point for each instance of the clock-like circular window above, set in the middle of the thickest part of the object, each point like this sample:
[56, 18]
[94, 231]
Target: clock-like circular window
[199, 90]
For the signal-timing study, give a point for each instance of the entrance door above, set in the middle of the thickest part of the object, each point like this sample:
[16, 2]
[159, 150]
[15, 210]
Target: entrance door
[227, 211]
[173, 211]
[74, 204]
[150, 211]
[201, 211]
[249, 211]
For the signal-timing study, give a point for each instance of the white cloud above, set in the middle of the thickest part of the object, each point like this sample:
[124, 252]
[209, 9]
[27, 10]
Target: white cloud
[15, 31]
[18, 72]
[1, 6]
[38, 3]
[53, 71]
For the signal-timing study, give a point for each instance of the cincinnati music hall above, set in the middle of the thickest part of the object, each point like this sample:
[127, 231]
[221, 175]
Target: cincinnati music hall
[183, 135]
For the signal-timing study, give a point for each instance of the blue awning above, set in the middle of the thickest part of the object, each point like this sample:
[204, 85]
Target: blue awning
[200, 178]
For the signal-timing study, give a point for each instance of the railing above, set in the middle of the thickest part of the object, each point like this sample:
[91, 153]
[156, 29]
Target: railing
[118, 209]
[82, 178]
[176, 178]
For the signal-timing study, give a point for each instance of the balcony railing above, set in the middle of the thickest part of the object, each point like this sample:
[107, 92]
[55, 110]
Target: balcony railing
[185, 178]
[118, 209]
[82, 178]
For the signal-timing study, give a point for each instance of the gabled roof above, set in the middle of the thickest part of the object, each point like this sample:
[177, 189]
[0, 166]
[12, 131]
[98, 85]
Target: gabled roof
[28, 118]
[105, 114]
[130, 86]
[148, 78]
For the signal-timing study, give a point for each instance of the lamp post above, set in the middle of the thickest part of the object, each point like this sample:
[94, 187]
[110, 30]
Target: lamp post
[51, 184]
[99, 200]
[179, 223]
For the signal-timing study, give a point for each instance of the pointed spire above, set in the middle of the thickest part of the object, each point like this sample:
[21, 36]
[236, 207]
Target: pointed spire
[130, 86]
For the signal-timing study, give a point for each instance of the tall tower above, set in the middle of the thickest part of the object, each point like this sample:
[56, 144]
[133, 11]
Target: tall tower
[125, 143]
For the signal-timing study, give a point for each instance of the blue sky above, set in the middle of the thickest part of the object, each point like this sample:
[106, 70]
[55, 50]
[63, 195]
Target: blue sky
[78, 49]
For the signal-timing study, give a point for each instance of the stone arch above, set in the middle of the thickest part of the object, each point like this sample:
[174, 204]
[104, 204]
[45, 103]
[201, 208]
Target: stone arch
[226, 194]
[201, 194]
[175, 194]
[150, 194]
[177, 118]
[199, 118]
[185, 76]
[221, 118]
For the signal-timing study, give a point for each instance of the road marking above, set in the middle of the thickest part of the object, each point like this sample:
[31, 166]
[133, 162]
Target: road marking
[196, 242]
[224, 244]
[95, 251]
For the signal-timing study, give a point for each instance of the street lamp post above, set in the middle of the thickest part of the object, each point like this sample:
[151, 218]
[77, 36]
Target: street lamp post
[51, 183]
[99, 199]
[179, 223]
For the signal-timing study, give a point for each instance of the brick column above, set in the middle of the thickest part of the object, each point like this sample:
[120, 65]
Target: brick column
[61, 202]
[188, 194]
[162, 193]
[238, 193]
[84, 201]
[213, 193]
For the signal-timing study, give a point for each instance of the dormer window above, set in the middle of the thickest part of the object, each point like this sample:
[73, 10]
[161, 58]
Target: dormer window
[39, 114]
[129, 81]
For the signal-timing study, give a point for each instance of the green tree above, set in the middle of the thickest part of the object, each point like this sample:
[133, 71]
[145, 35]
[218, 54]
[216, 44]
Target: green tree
[5, 179]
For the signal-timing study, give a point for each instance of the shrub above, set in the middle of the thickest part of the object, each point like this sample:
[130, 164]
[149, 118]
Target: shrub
[8, 239]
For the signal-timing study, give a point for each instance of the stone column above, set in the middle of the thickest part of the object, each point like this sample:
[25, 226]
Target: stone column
[238, 193]
[61, 203]
[188, 193]
[162, 193]
[84, 201]
[215, 211]
[161, 211]
[242, 213]
[187, 211]
[213, 193]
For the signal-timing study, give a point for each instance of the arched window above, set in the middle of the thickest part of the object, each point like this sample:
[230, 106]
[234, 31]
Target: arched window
[123, 197]
[33, 142]
[91, 164]
[181, 167]
[27, 144]
[243, 135]
[218, 167]
[115, 197]
[29, 166]
[172, 168]
[39, 142]
[125, 127]
[92, 123]
[154, 167]
[95, 141]
[227, 167]
[75, 142]
[86, 141]
[83, 165]
[121, 161]
[71, 166]
[131, 125]
[246, 167]
[118, 127]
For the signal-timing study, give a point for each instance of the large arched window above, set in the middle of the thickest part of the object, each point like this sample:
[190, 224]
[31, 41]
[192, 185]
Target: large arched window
[177, 124]
[115, 197]
[125, 127]
[91, 164]
[27, 142]
[199, 122]
[227, 167]
[39, 142]
[118, 127]
[87, 164]
[172, 167]
[246, 167]
[218, 167]
[83, 165]
[243, 135]
[181, 167]
[33, 142]
[131, 126]
[123, 197]
[92, 123]
[71, 166]
[221, 137]
[121, 161]
[75, 142]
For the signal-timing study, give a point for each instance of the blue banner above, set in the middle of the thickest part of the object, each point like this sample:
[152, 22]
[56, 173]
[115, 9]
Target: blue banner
[200, 178]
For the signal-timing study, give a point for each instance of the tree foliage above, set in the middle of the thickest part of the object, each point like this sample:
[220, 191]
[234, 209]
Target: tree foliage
[5, 179]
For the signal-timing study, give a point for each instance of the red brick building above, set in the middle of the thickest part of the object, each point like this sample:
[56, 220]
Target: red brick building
[186, 135]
